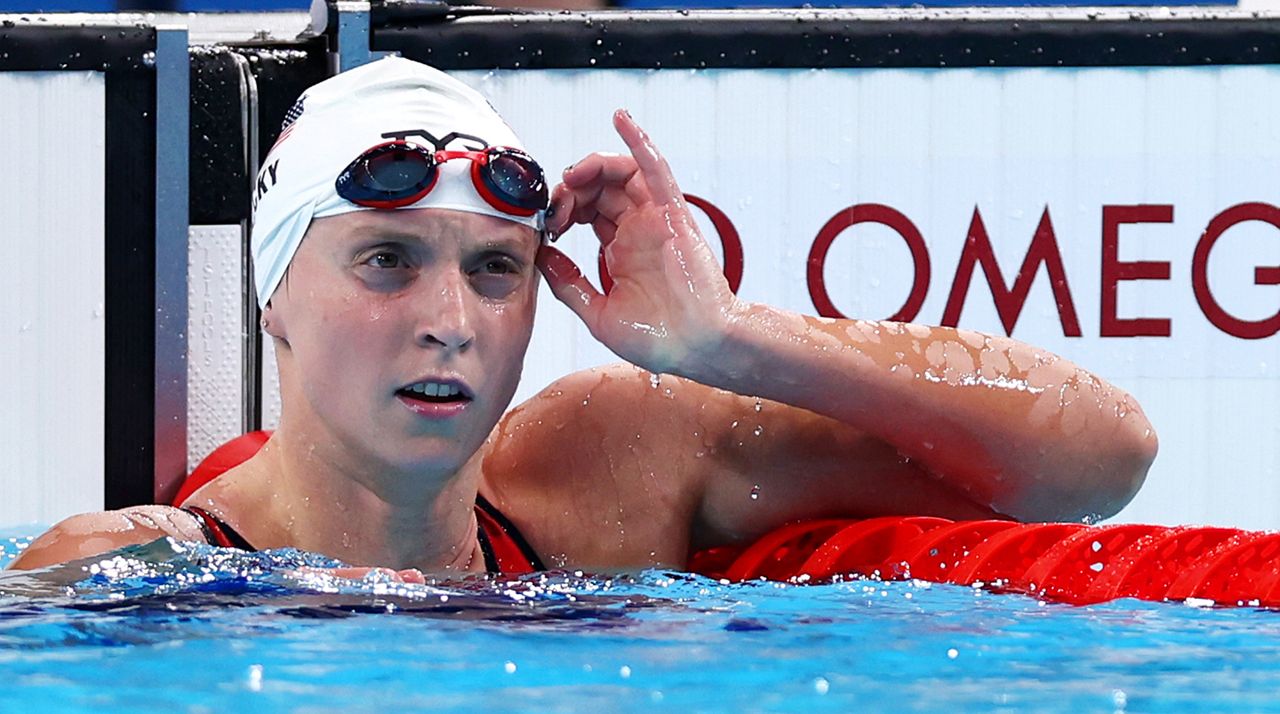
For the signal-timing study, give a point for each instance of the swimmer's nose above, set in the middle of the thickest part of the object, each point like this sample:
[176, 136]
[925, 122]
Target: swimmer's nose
[445, 319]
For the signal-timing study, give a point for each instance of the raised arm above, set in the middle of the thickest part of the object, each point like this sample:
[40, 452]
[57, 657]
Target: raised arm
[1013, 428]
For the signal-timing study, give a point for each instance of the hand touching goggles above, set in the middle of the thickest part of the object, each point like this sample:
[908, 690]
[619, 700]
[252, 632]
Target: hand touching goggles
[400, 173]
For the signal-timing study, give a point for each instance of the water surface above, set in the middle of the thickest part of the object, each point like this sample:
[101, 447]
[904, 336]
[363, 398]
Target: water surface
[208, 630]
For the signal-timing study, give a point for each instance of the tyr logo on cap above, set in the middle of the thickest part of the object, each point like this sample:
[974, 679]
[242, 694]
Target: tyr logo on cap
[437, 144]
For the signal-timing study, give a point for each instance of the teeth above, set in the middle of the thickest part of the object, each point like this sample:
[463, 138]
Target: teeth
[435, 389]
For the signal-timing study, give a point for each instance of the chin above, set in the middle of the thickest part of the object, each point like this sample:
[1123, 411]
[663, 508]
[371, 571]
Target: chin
[435, 454]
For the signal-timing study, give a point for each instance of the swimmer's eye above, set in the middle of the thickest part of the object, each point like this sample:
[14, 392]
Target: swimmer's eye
[385, 267]
[499, 267]
[384, 259]
[497, 275]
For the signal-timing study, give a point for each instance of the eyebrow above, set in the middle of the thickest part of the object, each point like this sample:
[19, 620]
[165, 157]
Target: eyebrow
[505, 243]
[486, 242]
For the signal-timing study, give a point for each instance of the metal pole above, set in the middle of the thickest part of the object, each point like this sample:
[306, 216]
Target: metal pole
[354, 36]
[251, 346]
[173, 96]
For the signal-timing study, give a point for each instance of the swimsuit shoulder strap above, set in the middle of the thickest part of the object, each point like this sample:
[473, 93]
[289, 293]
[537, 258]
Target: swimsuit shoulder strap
[505, 550]
[217, 532]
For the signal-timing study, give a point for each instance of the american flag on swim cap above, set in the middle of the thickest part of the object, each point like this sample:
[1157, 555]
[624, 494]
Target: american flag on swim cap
[286, 127]
[295, 111]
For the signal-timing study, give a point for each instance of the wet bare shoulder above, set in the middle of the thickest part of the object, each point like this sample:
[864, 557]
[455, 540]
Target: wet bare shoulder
[89, 534]
[604, 466]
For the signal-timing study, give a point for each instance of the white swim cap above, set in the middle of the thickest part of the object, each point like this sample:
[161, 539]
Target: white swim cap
[338, 119]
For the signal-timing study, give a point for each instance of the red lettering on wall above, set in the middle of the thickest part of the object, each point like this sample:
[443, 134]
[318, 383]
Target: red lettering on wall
[869, 213]
[1263, 275]
[730, 243]
[1114, 270]
[1010, 301]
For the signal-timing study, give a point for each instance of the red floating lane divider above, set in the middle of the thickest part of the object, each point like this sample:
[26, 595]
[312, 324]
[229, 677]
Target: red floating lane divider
[1002, 560]
[865, 547]
[936, 554]
[1062, 562]
[1069, 566]
[779, 555]
[1227, 574]
[1147, 568]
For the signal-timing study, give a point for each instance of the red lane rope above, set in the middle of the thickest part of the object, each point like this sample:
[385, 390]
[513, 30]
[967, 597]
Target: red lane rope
[1061, 562]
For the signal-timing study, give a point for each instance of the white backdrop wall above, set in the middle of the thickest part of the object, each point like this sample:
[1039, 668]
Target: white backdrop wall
[52, 287]
[783, 152]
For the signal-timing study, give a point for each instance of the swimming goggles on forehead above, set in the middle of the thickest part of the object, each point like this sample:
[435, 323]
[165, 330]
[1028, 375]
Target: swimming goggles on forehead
[400, 173]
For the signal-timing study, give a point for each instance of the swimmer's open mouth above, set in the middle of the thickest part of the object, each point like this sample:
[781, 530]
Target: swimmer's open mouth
[438, 392]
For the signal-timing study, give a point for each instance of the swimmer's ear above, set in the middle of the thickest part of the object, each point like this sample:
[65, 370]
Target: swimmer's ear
[273, 322]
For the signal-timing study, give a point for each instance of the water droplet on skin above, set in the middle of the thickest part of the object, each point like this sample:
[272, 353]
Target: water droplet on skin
[755, 492]
[655, 380]
[758, 430]
[759, 405]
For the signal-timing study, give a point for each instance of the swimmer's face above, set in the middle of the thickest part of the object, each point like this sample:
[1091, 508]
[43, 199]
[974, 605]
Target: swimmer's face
[377, 302]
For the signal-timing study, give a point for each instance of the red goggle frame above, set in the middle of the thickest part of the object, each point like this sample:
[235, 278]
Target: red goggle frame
[400, 173]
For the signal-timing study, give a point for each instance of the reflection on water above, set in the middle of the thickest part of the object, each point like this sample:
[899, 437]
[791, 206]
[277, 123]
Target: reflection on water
[168, 626]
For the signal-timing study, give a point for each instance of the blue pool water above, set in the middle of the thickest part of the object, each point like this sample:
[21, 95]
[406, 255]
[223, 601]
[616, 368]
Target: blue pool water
[209, 631]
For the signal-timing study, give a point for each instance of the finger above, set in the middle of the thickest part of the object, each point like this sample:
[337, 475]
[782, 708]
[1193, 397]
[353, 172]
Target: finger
[657, 173]
[380, 573]
[356, 573]
[608, 168]
[560, 214]
[584, 207]
[579, 203]
[613, 204]
[606, 230]
[412, 575]
[569, 285]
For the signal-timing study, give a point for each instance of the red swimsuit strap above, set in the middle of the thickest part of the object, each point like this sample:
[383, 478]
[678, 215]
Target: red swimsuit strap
[505, 550]
[217, 532]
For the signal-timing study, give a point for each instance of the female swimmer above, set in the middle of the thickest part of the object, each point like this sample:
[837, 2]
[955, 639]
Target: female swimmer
[401, 322]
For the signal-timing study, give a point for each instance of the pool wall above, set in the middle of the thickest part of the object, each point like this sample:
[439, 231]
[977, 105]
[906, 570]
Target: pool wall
[1099, 183]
